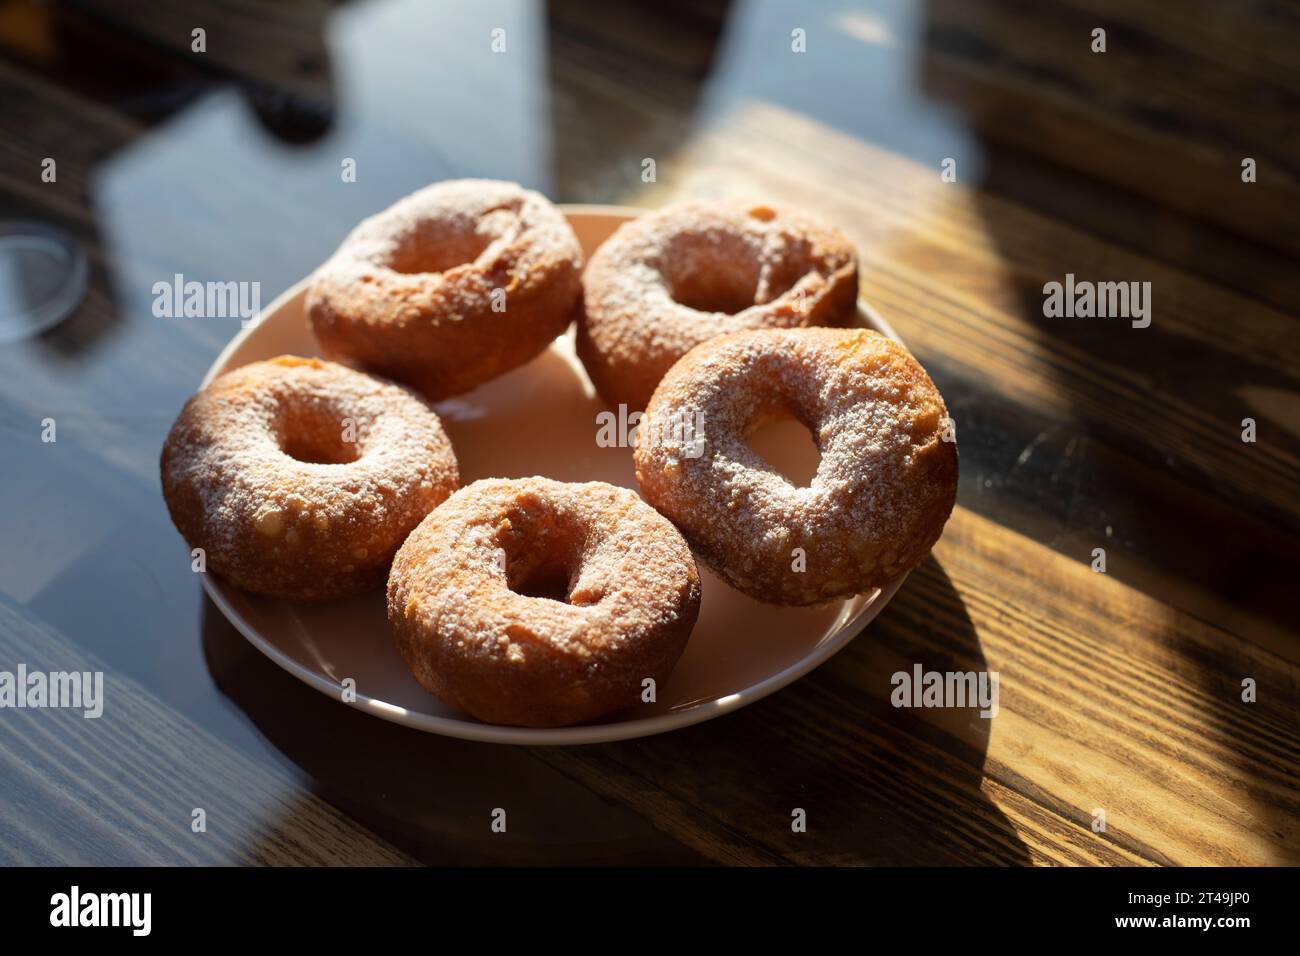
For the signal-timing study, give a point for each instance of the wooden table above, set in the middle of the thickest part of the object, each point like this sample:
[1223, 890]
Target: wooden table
[1120, 691]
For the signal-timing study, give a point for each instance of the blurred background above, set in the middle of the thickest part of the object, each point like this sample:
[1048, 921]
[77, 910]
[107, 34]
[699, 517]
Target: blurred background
[1125, 165]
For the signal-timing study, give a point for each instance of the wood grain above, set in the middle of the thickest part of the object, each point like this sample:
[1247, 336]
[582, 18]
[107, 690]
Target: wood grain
[1108, 700]
[1178, 101]
[993, 259]
[1120, 691]
[120, 788]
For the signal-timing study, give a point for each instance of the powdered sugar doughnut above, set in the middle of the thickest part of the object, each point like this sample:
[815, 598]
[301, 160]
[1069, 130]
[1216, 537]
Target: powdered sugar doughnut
[449, 287]
[299, 478]
[669, 280]
[540, 603]
[884, 486]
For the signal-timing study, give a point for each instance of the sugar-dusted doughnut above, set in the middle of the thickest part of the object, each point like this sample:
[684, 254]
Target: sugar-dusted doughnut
[671, 279]
[299, 478]
[884, 486]
[540, 603]
[449, 287]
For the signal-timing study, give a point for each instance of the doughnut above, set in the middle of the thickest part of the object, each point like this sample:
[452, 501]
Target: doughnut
[541, 603]
[299, 478]
[885, 483]
[669, 280]
[449, 287]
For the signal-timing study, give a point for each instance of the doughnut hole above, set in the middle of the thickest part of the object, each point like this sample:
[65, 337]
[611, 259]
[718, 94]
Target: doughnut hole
[788, 447]
[543, 550]
[539, 579]
[795, 262]
[319, 433]
[711, 272]
[439, 245]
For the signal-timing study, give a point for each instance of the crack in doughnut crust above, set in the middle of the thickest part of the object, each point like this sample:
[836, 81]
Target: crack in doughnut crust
[260, 471]
[884, 487]
[624, 596]
[669, 280]
[410, 292]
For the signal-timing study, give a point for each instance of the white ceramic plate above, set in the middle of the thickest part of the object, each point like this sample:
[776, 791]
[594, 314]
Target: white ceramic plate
[541, 420]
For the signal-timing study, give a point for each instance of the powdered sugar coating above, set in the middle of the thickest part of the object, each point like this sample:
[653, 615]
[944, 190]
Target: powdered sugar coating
[884, 487]
[671, 279]
[304, 530]
[630, 587]
[450, 286]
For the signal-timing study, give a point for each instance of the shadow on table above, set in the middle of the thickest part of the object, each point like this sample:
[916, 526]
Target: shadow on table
[878, 785]
[1152, 465]
[431, 796]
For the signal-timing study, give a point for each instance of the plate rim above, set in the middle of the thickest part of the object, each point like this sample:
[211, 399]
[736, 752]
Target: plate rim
[478, 731]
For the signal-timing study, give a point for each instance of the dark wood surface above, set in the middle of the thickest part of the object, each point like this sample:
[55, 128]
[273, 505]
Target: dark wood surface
[1120, 690]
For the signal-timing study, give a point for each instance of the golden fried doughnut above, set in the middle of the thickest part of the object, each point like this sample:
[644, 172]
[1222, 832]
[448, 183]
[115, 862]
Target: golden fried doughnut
[884, 486]
[449, 287]
[669, 280]
[542, 603]
[299, 478]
